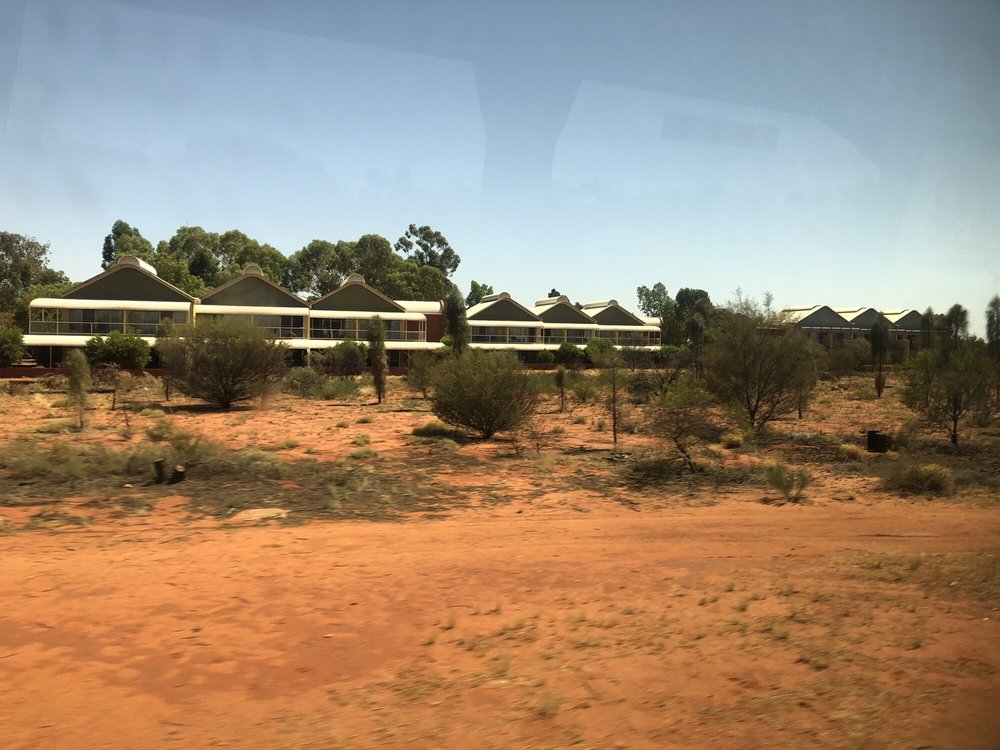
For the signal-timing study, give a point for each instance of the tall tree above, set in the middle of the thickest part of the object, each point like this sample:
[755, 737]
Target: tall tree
[428, 247]
[993, 328]
[879, 341]
[237, 251]
[957, 325]
[124, 240]
[377, 356]
[927, 329]
[476, 293]
[318, 268]
[657, 303]
[24, 262]
[553, 292]
[456, 327]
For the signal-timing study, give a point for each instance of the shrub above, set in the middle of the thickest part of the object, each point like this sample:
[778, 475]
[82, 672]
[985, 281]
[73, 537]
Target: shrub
[305, 382]
[932, 479]
[435, 428]
[345, 360]
[731, 440]
[224, 362]
[377, 355]
[11, 346]
[849, 358]
[419, 370]
[583, 388]
[483, 390]
[850, 452]
[545, 357]
[789, 483]
[126, 350]
[598, 351]
[569, 354]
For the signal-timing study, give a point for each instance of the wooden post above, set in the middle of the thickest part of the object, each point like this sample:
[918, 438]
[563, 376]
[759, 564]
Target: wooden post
[160, 471]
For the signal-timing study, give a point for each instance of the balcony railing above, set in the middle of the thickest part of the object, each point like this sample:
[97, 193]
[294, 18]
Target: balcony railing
[353, 334]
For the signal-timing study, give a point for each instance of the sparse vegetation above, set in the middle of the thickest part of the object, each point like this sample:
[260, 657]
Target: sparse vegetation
[78, 374]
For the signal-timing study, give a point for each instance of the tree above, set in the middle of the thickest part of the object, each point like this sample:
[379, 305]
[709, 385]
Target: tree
[665, 367]
[428, 248]
[561, 378]
[11, 346]
[879, 342]
[756, 363]
[407, 280]
[569, 354]
[237, 251]
[318, 268]
[222, 362]
[680, 414]
[993, 329]
[476, 293]
[945, 389]
[24, 262]
[485, 391]
[78, 373]
[456, 327]
[604, 355]
[927, 329]
[553, 292]
[125, 350]
[956, 325]
[124, 240]
[377, 356]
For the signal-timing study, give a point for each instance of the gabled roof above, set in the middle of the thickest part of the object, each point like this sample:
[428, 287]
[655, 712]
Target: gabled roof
[500, 307]
[904, 320]
[861, 317]
[252, 288]
[609, 312]
[817, 316]
[560, 310]
[355, 294]
[129, 279]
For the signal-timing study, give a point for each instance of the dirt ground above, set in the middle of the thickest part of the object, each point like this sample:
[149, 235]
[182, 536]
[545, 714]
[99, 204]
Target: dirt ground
[546, 605]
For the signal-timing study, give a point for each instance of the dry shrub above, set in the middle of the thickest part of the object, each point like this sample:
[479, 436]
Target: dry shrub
[731, 440]
[435, 428]
[923, 478]
[850, 452]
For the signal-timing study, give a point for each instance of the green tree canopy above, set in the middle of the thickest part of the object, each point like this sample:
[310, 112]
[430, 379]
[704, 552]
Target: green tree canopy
[428, 247]
[24, 263]
[476, 293]
[124, 240]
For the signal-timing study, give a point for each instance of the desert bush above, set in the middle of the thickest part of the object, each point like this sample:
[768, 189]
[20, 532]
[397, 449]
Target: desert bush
[681, 416]
[947, 388]
[79, 382]
[224, 362]
[11, 346]
[308, 383]
[790, 483]
[850, 452]
[654, 468]
[545, 357]
[924, 478]
[486, 391]
[377, 355]
[599, 350]
[419, 370]
[583, 388]
[435, 428]
[347, 359]
[848, 359]
[126, 350]
[731, 439]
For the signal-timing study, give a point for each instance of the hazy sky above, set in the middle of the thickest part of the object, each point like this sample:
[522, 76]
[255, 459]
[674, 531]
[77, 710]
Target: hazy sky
[836, 153]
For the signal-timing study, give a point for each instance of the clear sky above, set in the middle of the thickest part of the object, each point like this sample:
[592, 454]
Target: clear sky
[834, 153]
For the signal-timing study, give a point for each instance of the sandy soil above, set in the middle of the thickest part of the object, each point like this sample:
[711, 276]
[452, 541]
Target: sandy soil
[559, 618]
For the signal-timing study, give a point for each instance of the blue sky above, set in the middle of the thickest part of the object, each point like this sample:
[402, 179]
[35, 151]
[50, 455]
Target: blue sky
[845, 154]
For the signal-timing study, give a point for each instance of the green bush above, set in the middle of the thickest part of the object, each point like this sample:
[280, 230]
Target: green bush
[345, 360]
[223, 362]
[11, 346]
[419, 370]
[79, 382]
[598, 351]
[306, 382]
[569, 354]
[849, 358]
[545, 357]
[125, 350]
[486, 391]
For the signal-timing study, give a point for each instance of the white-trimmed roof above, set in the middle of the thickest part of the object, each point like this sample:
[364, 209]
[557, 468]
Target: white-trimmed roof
[61, 303]
[491, 299]
[421, 306]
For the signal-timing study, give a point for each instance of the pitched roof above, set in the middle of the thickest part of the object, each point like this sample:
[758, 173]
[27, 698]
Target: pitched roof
[502, 303]
[134, 276]
[817, 316]
[252, 278]
[610, 312]
[356, 291]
